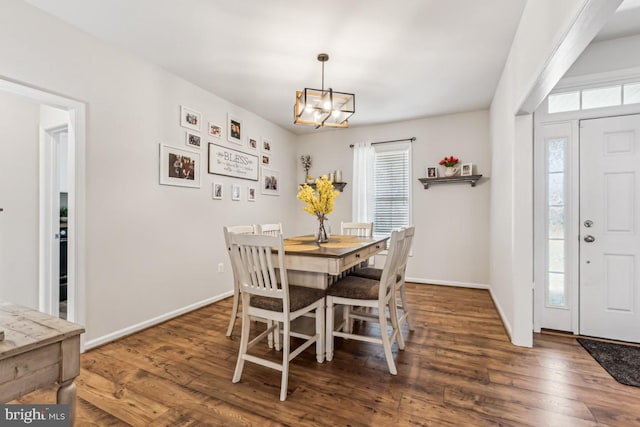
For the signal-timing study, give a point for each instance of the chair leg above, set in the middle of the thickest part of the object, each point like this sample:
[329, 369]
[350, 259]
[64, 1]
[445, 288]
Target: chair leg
[405, 308]
[276, 336]
[244, 341]
[320, 332]
[329, 331]
[270, 336]
[386, 343]
[285, 361]
[234, 310]
[393, 315]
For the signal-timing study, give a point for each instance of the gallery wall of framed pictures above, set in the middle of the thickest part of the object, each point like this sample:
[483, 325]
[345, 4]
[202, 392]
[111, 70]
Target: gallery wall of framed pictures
[241, 156]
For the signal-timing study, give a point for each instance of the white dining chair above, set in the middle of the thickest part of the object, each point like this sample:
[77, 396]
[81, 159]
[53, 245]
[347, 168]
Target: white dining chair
[362, 229]
[228, 230]
[267, 294]
[270, 229]
[376, 273]
[356, 292]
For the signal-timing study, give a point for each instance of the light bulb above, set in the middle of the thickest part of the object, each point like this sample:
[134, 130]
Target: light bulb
[327, 105]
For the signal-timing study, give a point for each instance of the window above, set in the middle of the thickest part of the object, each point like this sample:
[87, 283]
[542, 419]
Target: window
[392, 188]
[561, 102]
[601, 97]
[594, 97]
[556, 295]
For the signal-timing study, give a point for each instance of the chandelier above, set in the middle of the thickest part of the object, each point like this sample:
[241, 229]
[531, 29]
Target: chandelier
[320, 107]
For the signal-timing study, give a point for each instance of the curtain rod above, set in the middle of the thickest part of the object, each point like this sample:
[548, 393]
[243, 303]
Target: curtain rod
[413, 138]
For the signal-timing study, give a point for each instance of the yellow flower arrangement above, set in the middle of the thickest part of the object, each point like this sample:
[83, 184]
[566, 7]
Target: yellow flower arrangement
[320, 202]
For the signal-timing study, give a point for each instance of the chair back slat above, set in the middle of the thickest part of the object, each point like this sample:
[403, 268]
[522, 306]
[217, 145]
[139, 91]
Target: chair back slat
[269, 229]
[391, 264]
[361, 229]
[253, 258]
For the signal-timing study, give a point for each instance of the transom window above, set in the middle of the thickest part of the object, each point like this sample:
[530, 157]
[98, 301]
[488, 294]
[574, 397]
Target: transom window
[597, 97]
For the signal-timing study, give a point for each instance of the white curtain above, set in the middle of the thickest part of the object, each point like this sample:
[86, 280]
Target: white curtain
[362, 204]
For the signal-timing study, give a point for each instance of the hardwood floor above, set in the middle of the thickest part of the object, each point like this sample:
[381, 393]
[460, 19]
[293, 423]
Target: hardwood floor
[459, 369]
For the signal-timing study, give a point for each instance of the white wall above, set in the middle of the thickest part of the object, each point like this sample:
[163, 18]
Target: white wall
[19, 135]
[151, 249]
[608, 55]
[451, 243]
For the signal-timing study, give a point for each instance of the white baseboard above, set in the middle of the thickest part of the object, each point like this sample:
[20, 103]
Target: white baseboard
[505, 321]
[448, 283]
[154, 321]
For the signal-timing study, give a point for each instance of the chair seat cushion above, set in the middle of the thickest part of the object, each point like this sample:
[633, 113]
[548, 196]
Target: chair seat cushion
[355, 288]
[299, 297]
[368, 273]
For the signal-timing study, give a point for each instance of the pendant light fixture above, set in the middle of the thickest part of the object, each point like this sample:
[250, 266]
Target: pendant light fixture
[320, 107]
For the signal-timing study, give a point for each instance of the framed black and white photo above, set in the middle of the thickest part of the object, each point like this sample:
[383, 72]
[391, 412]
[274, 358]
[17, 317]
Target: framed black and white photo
[266, 160]
[432, 172]
[270, 182]
[235, 192]
[466, 169]
[253, 143]
[193, 140]
[179, 167]
[215, 130]
[251, 194]
[190, 118]
[216, 191]
[266, 145]
[234, 128]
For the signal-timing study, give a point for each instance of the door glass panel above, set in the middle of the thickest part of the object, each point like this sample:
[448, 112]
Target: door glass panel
[556, 153]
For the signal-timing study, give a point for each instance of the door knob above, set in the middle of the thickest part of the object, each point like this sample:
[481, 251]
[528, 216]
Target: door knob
[589, 239]
[588, 223]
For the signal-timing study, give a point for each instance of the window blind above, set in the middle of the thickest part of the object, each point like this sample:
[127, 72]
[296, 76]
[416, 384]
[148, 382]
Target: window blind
[391, 189]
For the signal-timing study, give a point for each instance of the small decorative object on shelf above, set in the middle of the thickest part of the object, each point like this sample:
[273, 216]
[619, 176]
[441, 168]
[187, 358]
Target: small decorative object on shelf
[472, 179]
[320, 202]
[466, 169]
[450, 165]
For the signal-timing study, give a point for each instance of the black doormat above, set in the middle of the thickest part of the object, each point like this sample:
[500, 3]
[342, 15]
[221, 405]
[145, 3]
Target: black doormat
[621, 361]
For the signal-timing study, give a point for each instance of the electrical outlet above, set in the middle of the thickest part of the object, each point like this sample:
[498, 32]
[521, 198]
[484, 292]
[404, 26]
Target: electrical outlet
[221, 267]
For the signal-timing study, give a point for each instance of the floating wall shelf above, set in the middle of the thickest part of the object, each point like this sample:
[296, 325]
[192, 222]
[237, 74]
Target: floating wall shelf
[472, 179]
[337, 185]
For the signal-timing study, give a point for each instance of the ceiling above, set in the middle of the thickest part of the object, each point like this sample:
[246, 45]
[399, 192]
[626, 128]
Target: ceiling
[404, 59]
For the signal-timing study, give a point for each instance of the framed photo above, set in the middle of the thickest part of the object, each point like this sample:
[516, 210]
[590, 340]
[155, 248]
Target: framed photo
[234, 127]
[190, 118]
[466, 169]
[216, 191]
[266, 159]
[270, 182]
[266, 145]
[251, 194]
[235, 192]
[215, 130]
[179, 167]
[253, 143]
[193, 139]
[432, 172]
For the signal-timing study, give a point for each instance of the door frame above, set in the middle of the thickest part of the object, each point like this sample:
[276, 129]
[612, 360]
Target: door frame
[76, 242]
[573, 118]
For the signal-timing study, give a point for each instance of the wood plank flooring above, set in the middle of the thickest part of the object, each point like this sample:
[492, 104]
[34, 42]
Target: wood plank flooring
[459, 369]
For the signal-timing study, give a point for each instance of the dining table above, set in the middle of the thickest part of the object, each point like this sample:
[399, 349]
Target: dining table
[316, 265]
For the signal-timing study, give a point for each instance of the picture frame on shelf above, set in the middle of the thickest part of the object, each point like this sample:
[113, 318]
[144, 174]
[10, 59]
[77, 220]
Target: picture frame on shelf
[179, 167]
[190, 118]
[253, 143]
[251, 194]
[235, 192]
[466, 169]
[234, 129]
[217, 191]
[193, 139]
[270, 182]
[266, 145]
[432, 172]
[215, 130]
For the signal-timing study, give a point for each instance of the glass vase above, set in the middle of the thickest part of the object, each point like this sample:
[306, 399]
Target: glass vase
[322, 236]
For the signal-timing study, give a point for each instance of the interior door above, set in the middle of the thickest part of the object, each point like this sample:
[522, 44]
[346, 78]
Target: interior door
[609, 237]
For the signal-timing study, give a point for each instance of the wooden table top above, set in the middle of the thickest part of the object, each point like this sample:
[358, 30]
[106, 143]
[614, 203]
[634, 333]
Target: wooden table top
[25, 328]
[338, 245]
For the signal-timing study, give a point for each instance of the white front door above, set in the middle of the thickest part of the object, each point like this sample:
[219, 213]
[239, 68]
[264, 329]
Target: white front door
[609, 222]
